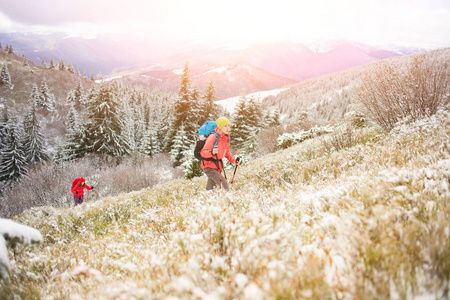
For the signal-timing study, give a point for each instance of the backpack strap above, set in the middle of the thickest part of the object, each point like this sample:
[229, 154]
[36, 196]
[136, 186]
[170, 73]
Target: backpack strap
[217, 140]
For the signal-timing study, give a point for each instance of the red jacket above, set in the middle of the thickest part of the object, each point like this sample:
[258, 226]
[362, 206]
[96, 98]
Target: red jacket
[223, 145]
[77, 189]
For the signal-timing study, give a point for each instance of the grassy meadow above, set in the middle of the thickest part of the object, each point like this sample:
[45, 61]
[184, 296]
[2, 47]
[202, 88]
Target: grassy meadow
[360, 215]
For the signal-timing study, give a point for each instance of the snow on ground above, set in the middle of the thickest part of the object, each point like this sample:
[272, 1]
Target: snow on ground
[230, 103]
[178, 71]
[108, 79]
[218, 70]
[14, 233]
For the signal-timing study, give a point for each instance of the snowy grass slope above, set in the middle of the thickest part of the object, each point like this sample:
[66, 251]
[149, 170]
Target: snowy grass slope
[366, 222]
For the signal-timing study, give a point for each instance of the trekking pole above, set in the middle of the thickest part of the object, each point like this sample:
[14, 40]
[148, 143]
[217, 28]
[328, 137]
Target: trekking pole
[216, 162]
[235, 168]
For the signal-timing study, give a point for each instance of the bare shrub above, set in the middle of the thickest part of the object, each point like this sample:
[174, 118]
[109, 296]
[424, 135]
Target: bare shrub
[266, 140]
[390, 93]
[49, 184]
[339, 140]
[135, 173]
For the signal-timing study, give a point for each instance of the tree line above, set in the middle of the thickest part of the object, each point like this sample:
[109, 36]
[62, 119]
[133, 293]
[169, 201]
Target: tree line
[114, 120]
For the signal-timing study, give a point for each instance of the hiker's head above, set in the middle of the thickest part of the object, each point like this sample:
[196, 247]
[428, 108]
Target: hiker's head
[223, 124]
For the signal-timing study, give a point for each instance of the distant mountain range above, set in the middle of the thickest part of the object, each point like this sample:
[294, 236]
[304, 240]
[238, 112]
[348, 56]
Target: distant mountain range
[156, 64]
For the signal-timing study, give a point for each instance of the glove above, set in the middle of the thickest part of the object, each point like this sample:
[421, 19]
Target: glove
[238, 159]
[92, 188]
[76, 193]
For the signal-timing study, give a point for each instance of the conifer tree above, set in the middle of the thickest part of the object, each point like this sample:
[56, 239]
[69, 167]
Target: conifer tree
[105, 130]
[61, 65]
[70, 68]
[3, 123]
[75, 144]
[25, 61]
[181, 145]
[51, 64]
[43, 64]
[33, 139]
[240, 128]
[35, 97]
[272, 118]
[13, 161]
[10, 50]
[182, 109]
[209, 110]
[46, 99]
[5, 78]
[135, 120]
[150, 145]
[253, 122]
[77, 97]
[195, 117]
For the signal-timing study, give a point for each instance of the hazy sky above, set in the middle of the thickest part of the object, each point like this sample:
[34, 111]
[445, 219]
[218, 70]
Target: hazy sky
[406, 22]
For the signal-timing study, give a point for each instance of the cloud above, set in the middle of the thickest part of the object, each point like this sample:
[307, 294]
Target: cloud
[59, 12]
[243, 20]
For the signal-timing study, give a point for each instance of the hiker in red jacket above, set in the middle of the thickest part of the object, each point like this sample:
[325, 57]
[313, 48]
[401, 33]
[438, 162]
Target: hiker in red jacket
[78, 186]
[213, 169]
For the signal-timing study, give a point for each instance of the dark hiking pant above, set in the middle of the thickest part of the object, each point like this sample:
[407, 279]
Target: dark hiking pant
[214, 179]
[78, 200]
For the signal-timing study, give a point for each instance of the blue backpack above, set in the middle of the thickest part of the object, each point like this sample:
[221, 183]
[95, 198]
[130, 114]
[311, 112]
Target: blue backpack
[205, 130]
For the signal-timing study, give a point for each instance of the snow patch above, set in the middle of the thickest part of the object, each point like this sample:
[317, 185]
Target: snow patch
[14, 233]
[230, 103]
[177, 71]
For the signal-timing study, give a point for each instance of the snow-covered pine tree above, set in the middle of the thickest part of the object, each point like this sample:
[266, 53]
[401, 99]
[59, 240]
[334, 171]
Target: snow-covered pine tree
[75, 144]
[135, 124]
[70, 68]
[43, 64]
[25, 61]
[13, 160]
[209, 110]
[10, 50]
[274, 119]
[51, 64]
[5, 78]
[3, 123]
[33, 140]
[254, 122]
[77, 97]
[240, 127]
[106, 126]
[45, 99]
[182, 108]
[150, 145]
[181, 145]
[61, 65]
[195, 118]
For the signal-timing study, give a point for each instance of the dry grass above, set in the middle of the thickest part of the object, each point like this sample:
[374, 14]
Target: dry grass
[364, 222]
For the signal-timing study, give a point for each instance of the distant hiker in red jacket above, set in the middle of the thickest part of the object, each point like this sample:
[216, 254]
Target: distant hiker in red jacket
[78, 186]
[213, 169]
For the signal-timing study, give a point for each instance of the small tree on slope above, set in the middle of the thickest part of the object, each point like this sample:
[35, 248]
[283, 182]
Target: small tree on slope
[33, 139]
[13, 160]
[105, 127]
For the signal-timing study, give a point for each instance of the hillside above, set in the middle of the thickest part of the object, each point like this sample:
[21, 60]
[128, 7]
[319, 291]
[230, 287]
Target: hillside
[364, 221]
[229, 80]
[24, 76]
[328, 98]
